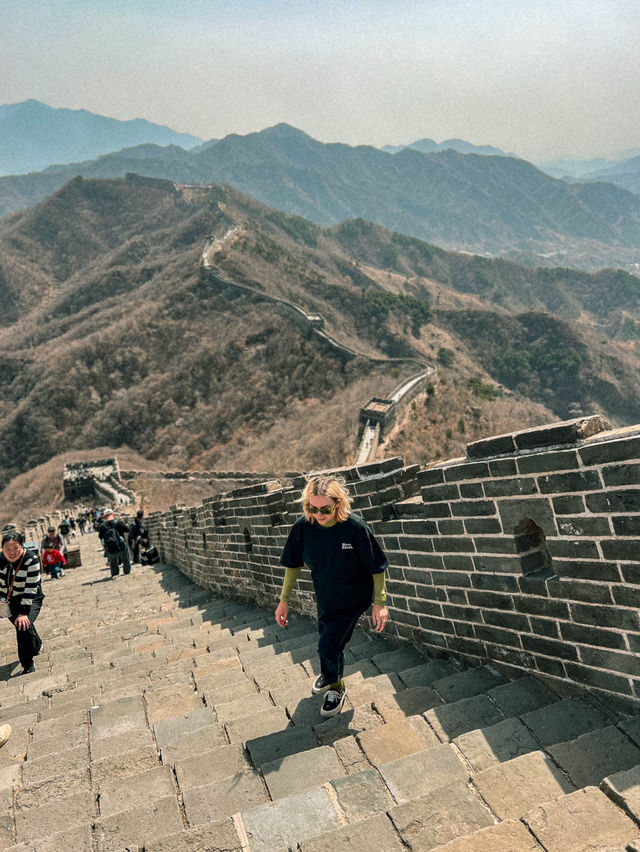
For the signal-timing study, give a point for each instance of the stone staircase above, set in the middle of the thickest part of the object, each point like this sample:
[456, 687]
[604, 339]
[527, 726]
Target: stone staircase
[161, 719]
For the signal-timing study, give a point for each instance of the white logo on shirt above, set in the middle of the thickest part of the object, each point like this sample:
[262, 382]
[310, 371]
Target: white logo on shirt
[346, 545]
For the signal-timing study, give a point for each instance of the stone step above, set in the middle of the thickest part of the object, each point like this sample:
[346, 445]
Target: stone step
[444, 814]
[375, 833]
[510, 788]
[396, 739]
[218, 835]
[223, 798]
[278, 826]
[586, 819]
[508, 836]
[296, 772]
[623, 788]
[589, 758]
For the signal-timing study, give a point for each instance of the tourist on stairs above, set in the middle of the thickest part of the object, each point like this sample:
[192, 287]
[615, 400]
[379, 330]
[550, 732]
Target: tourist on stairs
[347, 569]
[21, 595]
[53, 562]
[113, 532]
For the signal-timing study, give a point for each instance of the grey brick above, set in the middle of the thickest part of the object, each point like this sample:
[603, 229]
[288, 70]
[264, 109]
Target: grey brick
[584, 634]
[574, 590]
[610, 451]
[621, 474]
[473, 508]
[471, 470]
[568, 504]
[599, 679]
[546, 462]
[586, 480]
[573, 549]
[521, 485]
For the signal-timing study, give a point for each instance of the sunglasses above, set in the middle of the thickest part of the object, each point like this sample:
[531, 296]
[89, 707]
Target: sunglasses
[324, 510]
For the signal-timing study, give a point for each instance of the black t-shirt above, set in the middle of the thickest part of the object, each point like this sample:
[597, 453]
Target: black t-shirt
[342, 559]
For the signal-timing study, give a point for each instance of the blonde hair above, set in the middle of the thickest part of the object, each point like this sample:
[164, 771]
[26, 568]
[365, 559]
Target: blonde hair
[327, 486]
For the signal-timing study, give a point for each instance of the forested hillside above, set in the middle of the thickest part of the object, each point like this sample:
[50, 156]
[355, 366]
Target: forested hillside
[113, 338]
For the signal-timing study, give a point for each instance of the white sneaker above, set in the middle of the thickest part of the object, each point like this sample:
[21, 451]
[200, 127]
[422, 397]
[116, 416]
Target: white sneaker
[320, 685]
[333, 703]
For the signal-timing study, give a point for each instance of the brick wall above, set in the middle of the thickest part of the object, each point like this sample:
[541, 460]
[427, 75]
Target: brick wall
[525, 553]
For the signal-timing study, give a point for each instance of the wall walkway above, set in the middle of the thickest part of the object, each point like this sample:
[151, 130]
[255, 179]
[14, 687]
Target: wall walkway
[161, 717]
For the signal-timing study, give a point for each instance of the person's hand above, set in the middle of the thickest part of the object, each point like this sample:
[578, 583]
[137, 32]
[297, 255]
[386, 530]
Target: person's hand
[22, 622]
[380, 616]
[282, 614]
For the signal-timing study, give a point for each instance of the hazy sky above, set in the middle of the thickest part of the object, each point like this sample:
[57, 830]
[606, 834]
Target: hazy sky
[541, 78]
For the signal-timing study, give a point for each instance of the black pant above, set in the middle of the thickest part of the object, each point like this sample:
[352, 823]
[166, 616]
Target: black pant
[116, 558]
[29, 642]
[335, 631]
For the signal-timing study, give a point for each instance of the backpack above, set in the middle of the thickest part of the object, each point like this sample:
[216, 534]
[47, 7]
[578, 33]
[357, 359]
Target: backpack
[113, 541]
[64, 528]
[150, 556]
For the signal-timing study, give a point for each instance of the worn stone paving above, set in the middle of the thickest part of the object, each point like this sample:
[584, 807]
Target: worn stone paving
[161, 719]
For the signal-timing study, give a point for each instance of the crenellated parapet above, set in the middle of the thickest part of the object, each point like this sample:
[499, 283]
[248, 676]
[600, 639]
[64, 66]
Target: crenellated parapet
[525, 552]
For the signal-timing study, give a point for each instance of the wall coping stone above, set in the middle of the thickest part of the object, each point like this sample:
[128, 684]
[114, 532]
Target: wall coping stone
[541, 437]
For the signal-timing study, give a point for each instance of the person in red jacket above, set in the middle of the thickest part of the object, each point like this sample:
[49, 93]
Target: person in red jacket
[53, 561]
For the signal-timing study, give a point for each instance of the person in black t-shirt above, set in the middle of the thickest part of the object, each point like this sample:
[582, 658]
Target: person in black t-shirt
[347, 569]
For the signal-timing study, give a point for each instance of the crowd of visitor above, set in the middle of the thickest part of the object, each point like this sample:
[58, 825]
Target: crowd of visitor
[24, 565]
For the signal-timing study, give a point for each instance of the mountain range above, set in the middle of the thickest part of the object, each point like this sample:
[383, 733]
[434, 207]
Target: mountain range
[113, 336]
[493, 205]
[428, 146]
[34, 136]
[623, 171]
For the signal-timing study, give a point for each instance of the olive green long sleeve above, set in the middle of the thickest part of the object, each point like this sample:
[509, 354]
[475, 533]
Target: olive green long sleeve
[379, 591]
[290, 578]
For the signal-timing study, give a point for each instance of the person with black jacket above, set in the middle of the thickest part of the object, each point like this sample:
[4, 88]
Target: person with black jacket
[113, 535]
[21, 595]
[138, 535]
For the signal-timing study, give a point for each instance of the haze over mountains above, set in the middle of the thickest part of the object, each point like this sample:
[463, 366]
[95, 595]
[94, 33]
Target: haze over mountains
[111, 336]
[428, 146]
[34, 136]
[494, 205]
